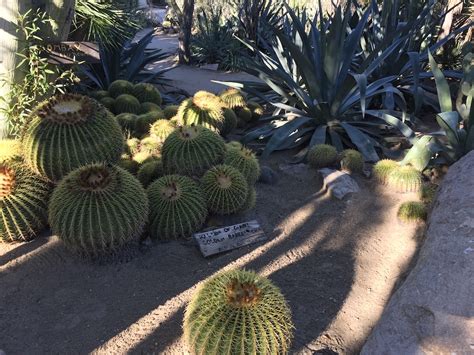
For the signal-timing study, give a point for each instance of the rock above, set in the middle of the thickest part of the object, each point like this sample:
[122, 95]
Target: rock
[2, 352]
[268, 175]
[338, 183]
[295, 169]
[433, 310]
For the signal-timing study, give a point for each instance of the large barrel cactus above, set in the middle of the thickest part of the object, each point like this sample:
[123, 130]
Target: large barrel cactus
[98, 208]
[191, 150]
[69, 131]
[146, 92]
[23, 203]
[238, 312]
[161, 129]
[203, 109]
[233, 98]
[245, 161]
[322, 156]
[177, 207]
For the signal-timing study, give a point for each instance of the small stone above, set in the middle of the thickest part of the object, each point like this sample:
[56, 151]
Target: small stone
[338, 183]
[268, 176]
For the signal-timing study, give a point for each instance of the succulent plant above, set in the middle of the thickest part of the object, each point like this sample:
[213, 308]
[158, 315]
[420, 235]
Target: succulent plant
[127, 121]
[238, 312]
[244, 114]
[23, 203]
[191, 150]
[132, 146]
[10, 150]
[161, 129]
[203, 109]
[143, 157]
[68, 131]
[151, 145]
[245, 161]
[428, 192]
[177, 207]
[233, 98]
[405, 179]
[383, 168]
[225, 188]
[170, 111]
[150, 172]
[352, 161]
[145, 121]
[128, 164]
[98, 208]
[230, 121]
[412, 211]
[251, 200]
[233, 145]
[108, 102]
[120, 87]
[256, 109]
[146, 92]
[147, 107]
[99, 94]
[126, 103]
[322, 156]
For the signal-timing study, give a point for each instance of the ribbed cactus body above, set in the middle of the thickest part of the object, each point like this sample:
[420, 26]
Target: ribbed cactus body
[146, 92]
[412, 211]
[233, 98]
[23, 203]
[383, 168]
[177, 207]
[428, 192]
[204, 109]
[69, 131]
[256, 109]
[225, 188]
[108, 102]
[352, 161]
[244, 113]
[150, 172]
[251, 200]
[147, 107]
[99, 94]
[245, 161]
[98, 208]
[192, 150]
[145, 121]
[120, 87]
[127, 121]
[238, 312]
[161, 129]
[126, 104]
[230, 121]
[322, 156]
[405, 179]
[233, 145]
[128, 164]
[10, 150]
[170, 111]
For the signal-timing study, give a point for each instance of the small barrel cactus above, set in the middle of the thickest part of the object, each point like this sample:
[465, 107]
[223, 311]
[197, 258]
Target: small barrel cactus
[244, 114]
[405, 179]
[151, 145]
[230, 121]
[412, 211]
[177, 207]
[146, 92]
[98, 208]
[145, 121]
[128, 164]
[127, 121]
[10, 150]
[108, 102]
[126, 103]
[120, 87]
[352, 161]
[428, 192]
[226, 189]
[233, 98]
[69, 131]
[150, 172]
[170, 111]
[161, 129]
[256, 109]
[245, 161]
[251, 200]
[383, 168]
[322, 156]
[132, 146]
[191, 150]
[23, 203]
[99, 94]
[238, 312]
[147, 107]
[233, 145]
[203, 109]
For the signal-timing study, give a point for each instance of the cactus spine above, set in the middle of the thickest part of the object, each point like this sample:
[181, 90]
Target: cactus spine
[203, 109]
[161, 129]
[383, 168]
[146, 92]
[405, 179]
[120, 87]
[322, 156]
[245, 161]
[352, 161]
[412, 211]
[233, 98]
[126, 104]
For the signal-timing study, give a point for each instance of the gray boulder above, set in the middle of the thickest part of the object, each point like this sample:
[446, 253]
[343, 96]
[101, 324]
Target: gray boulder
[338, 183]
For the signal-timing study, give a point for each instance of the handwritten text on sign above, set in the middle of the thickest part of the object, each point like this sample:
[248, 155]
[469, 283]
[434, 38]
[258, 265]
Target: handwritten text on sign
[228, 238]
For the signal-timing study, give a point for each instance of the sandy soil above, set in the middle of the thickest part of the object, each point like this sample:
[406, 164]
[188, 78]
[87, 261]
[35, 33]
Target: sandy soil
[337, 262]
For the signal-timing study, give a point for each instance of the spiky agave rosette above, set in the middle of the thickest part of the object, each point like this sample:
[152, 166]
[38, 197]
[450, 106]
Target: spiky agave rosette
[238, 312]
[225, 188]
[23, 203]
[322, 156]
[98, 208]
[204, 109]
[177, 207]
[245, 161]
[68, 131]
[191, 150]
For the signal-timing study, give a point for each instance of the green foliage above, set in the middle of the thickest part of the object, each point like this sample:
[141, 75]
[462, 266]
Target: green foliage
[120, 87]
[126, 104]
[177, 207]
[68, 131]
[97, 209]
[233, 98]
[352, 161]
[230, 121]
[405, 178]
[322, 156]
[23, 203]
[238, 312]
[38, 78]
[203, 109]
[150, 172]
[245, 161]
[170, 111]
[383, 168]
[225, 188]
[146, 92]
[412, 211]
[191, 150]
[161, 129]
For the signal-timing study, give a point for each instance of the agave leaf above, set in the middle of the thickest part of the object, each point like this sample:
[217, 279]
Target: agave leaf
[259, 133]
[362, 83]
[442, 86]
[362, 141]
[336, 139]
[319, 136]
[449, 121]
[415, 65]
[394, 121]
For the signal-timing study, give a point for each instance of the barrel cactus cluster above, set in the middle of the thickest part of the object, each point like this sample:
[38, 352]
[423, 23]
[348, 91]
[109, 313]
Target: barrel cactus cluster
[326, 156]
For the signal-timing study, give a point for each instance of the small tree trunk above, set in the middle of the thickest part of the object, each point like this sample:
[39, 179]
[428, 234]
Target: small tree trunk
[186, 26]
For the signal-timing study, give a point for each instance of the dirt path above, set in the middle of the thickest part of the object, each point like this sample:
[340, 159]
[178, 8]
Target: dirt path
[336, 262]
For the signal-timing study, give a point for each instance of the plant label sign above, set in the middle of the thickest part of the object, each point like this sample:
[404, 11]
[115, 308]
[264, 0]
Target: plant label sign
[228, 238]
[73, 52]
